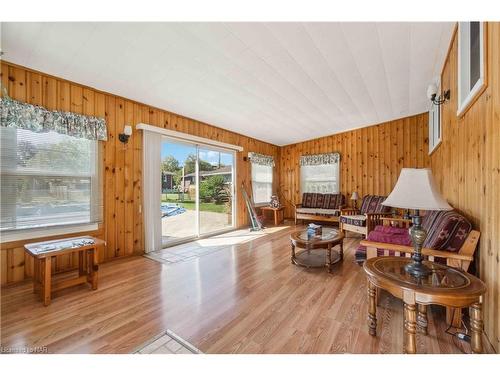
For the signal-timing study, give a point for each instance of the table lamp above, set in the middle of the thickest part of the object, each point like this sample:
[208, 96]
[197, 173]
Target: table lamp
[354, 198]
[416, 189]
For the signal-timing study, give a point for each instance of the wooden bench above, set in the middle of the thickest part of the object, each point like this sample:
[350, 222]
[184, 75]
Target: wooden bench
[86, 247]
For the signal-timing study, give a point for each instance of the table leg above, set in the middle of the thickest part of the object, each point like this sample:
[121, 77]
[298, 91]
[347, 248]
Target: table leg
[476, 322]
[36, 274]
[81, 268]
[341, 252]
[293, 254]
[372, 309]
[92, 264]
[410, 324]
[422, 319]
[276, 218]
[329, 257]
[47, 270]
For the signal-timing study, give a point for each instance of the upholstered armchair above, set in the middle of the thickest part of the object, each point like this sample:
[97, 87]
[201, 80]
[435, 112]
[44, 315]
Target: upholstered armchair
[364, 220]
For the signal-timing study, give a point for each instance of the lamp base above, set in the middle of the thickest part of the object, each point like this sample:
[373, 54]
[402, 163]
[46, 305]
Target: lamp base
[417, 269]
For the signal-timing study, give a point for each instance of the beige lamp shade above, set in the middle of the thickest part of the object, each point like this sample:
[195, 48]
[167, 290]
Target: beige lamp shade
[354, 196]
[416, 190]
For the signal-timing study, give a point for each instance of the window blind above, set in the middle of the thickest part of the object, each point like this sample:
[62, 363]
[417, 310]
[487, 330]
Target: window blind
[262, 183]
[48, 179]
[322, 178]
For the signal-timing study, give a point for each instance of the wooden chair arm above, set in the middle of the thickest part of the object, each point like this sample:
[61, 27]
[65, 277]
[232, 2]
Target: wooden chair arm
[349, 211]
[386, 221]
[409, 249]
[372, 220]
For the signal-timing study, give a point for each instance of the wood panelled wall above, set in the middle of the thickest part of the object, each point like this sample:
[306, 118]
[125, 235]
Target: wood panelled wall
[371, 157]
[467, 168]
[123, 224]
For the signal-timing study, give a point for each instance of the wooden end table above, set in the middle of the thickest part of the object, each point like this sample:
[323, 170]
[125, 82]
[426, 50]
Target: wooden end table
[42, 253]
[277, 214]
[446, 286]
[315, 249]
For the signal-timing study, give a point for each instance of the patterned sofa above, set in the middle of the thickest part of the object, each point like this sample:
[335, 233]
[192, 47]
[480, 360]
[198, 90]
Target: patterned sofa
[446, 230]
[367, 217]
[320, 207]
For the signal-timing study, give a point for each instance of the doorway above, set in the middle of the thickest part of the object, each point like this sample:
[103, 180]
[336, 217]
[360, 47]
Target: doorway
[197, 190]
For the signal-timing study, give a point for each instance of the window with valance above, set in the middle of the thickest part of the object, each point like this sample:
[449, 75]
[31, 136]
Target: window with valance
[49, 167]
[320, 173]
[262, 177]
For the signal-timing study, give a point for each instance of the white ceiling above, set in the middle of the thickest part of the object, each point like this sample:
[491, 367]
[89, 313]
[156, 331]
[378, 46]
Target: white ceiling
[278, 82]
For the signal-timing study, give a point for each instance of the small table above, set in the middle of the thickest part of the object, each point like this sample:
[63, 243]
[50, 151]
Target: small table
[276, 213]
[87, 248]
[316, 248]
[446, 286]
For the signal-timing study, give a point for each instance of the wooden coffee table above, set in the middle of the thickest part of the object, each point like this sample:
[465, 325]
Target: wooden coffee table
[446, 286]
[317, 251]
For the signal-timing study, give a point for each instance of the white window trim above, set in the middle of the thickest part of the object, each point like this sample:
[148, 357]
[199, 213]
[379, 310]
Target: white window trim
[28, 234]
[435, 142]
[183, 137]
[463, 105]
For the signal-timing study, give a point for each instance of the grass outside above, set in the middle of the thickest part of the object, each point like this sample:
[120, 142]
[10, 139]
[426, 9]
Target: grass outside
[190, 204]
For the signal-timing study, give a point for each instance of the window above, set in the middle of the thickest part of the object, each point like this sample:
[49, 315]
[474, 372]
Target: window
[434, 126]
[262, 183]
[471, 60]
[321, 178]
[47, 180]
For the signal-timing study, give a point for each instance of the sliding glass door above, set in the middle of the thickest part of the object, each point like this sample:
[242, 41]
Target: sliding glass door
[215, 190]
[197, 190]
[178, 191]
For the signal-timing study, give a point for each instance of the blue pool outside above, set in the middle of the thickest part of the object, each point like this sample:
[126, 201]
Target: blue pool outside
[171, 209]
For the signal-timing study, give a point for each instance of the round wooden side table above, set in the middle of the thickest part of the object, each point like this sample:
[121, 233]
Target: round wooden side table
[445, 286]
[317, 251]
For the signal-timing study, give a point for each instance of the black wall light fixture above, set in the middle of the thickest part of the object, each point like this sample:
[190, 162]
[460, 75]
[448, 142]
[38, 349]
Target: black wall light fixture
[127, 132]
[432, 91]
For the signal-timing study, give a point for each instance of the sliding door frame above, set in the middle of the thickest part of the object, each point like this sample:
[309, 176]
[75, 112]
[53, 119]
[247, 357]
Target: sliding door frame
[234, 199]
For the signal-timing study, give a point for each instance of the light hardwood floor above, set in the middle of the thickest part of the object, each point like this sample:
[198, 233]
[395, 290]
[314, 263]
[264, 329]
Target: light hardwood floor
[246, 298]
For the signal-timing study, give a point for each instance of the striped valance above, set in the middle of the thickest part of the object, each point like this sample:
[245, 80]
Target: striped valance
[319, 159]
[15, 114]
[261, 159]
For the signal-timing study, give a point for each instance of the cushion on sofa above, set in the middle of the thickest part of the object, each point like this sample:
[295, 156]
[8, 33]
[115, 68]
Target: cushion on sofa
[318, 211]
[446, 230]
[385, 234]
[318, 200]
[373, 204]
[357, 220]
[333, 201]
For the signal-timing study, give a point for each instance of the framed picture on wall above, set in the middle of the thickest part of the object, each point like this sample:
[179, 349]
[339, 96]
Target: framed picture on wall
[471, 63]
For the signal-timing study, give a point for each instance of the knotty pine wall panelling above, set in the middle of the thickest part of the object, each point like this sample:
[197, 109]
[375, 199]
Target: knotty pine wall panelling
[467, 168]
[122, 227]
[370, 158]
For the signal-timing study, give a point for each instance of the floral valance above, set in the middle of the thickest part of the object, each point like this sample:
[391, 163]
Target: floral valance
[261, 159]
[14, 114]
[319, 159]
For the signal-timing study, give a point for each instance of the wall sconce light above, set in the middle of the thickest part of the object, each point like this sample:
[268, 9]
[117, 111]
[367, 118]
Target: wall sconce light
[432, 91]
[127, 132]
